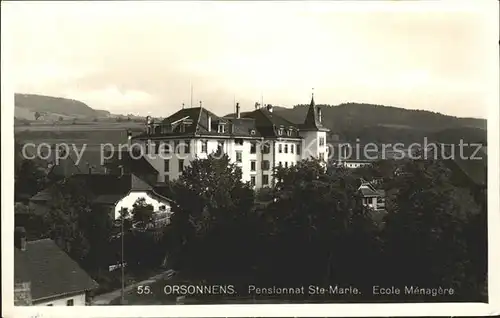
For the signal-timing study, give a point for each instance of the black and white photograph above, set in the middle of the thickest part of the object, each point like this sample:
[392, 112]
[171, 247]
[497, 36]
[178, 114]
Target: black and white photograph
[217, 158]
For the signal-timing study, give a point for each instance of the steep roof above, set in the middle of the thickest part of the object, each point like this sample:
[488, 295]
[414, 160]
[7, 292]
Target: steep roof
[471, 161]
[97, 184]
[312, 120]
[267, 122]
[50, 270]
[368, 189]
[189, 122]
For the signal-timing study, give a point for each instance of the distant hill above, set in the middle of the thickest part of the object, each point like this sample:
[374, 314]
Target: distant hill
[387, 124]
[50, 108]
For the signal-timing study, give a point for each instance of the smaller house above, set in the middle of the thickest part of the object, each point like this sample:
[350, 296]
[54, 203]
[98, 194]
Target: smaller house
[162, 206]
[44, 275]
[371, 196]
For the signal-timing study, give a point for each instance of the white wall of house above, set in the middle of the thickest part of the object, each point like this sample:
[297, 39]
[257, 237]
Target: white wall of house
[129, 200]
[78, 300]
[288, 156]
[312, 146]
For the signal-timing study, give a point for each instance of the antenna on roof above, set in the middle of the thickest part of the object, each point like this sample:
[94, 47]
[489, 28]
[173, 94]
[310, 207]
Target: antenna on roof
[261, 99]
[191, 95]
[234, 103]
[182, 105]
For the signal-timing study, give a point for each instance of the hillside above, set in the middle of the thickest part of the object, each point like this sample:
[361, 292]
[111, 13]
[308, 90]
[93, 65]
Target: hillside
[385, 124]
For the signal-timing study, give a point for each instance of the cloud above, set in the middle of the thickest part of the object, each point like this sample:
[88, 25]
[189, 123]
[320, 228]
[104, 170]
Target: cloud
[121, 55]
[112, 97]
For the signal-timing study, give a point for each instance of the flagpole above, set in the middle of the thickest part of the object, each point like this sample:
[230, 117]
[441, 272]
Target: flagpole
[123, 268]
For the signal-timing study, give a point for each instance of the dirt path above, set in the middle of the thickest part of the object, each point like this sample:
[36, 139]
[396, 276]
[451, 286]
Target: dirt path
[105, 299]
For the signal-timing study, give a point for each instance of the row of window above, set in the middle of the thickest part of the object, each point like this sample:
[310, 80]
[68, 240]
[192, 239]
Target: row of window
[69, 302]
[265, 180]
[185, 147]
[293, 147]
[167, 165]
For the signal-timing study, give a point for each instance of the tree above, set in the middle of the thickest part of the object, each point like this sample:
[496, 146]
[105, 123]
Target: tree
[69, 209]
[37, 115]
[425, 232]
[318, 216]
[61, 118]
[29, 176]
[142, 212]
[209, 223]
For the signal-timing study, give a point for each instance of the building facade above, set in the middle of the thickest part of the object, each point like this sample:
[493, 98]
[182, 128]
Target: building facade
[256, 141]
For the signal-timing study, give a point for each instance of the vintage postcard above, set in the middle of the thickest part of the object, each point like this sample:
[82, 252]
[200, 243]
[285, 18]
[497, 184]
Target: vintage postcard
[233, 158]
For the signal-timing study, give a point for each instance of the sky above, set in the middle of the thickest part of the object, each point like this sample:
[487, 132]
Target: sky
[144, 57]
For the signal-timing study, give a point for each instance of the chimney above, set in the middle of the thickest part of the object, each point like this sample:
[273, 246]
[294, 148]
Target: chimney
[129, 137]
[20, 238]
[319, 115]
[238, 110]
[269, 108]
[209, 126]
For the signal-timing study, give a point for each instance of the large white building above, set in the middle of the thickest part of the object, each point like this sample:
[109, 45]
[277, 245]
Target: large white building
[256, 141]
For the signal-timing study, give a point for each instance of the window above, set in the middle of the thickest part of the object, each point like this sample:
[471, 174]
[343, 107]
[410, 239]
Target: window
[181, 165]
[321, 141]
[146, 146]
[253, 147]
[69, 302]
[166, 179]
[280, 131]
[280, 164]
[238, 142]
[265, 165]
[266, 148]
[265, 179]
[298, 149]
[239, 156]
[252, 165]
[280, 148]
[286, 148]
[322, 155]
[204, 145]
[221, 129]
[252, 181]
[156, 146]
[291, 148]
[252, 132]
[289, 132]
[220, 146]
[286, 164]
[182, 128]
[187, 146]
[176, 146]
[166, 165]
[165, 147]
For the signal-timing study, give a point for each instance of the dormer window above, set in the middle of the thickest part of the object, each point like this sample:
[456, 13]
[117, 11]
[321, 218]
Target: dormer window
[280, 131]
[289, 132]
[221, 129]
[182, 128]
[252, 132]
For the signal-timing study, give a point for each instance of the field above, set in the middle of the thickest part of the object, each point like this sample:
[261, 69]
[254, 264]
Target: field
[90, 135]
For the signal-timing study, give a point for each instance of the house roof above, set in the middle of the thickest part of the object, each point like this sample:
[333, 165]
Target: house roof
[50, 270]
[471, 161]
[312, 121]
[90, 158]
[267, 122]
[368, 189]
[97, 184]
[258, 123]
